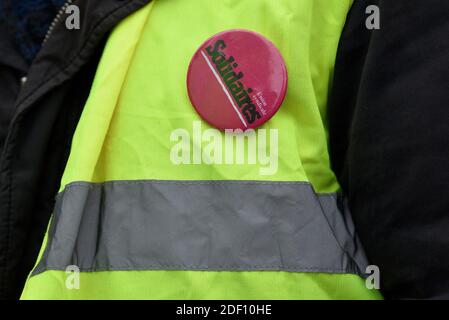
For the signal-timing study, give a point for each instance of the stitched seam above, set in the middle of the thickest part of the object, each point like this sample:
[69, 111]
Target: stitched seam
[298, 268]
[333, 232]
[8, 233]
[186, 182]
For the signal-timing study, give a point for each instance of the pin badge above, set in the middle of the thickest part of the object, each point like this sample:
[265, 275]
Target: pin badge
[237, 79]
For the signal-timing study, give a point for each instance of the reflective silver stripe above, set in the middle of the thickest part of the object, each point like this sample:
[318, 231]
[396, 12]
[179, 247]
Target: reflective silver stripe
[200, 225]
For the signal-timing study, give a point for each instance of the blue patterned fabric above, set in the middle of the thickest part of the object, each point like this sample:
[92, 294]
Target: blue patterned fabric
[27, 21]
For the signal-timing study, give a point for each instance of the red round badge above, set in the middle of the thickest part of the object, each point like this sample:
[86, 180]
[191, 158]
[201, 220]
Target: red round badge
[237, 80]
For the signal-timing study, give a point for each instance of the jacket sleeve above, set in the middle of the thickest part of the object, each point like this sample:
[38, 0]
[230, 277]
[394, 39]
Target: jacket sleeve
[389, 136]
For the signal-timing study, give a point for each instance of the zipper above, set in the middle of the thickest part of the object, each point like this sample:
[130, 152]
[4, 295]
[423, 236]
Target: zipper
[53, 24]
[56, 20]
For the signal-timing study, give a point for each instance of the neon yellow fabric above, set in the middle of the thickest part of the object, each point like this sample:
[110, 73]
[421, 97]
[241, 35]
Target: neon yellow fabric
[197, 285]
[112, 140]
[139, 97]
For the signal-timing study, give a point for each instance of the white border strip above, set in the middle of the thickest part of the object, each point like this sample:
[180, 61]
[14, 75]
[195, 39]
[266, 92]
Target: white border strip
[224, 88]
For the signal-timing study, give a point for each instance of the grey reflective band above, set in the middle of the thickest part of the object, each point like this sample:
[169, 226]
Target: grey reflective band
[200, 225]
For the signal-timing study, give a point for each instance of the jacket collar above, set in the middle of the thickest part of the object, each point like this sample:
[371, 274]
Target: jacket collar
[66, 51]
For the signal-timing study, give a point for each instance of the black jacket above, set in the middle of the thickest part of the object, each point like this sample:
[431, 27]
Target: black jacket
[389, 132]
[388, 120]
[36, 126]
